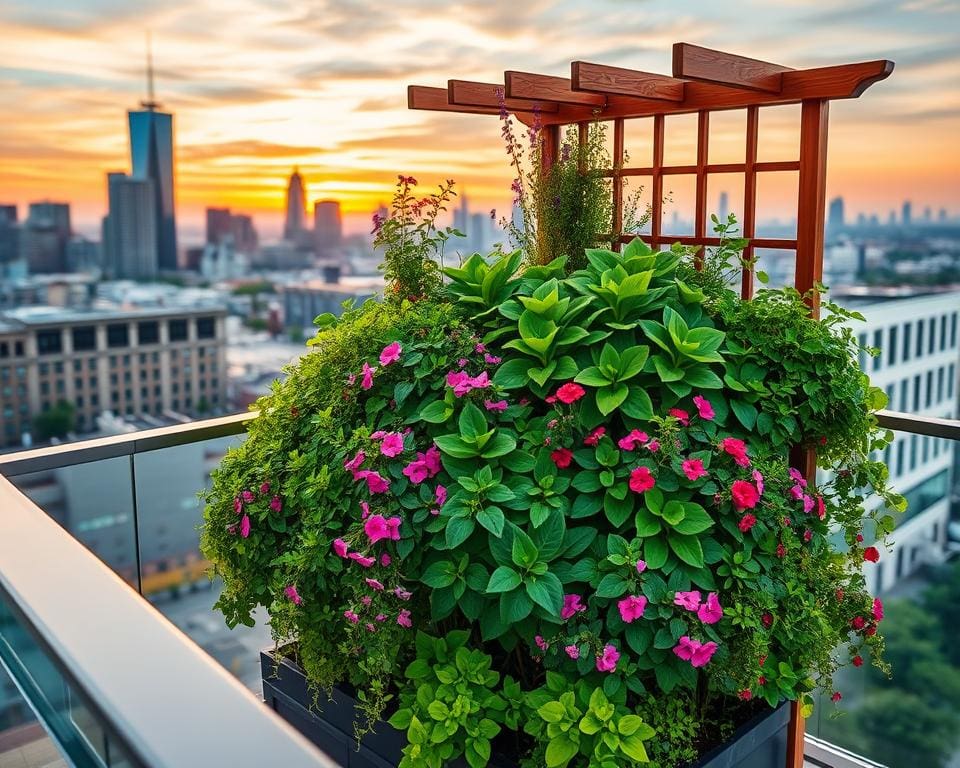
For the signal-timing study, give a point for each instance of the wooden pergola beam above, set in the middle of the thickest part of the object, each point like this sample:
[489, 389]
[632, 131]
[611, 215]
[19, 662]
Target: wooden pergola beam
[436, 100]
[471, 94]
[599, 78]
[709, 66]
[526, 85]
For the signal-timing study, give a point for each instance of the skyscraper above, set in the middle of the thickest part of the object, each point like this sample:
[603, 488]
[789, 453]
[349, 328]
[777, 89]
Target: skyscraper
[296, 208]
[44, 237]
[151, 159]
[218, 224]
[327, 225]
[129, 229]
[906, 215]
[835, 218]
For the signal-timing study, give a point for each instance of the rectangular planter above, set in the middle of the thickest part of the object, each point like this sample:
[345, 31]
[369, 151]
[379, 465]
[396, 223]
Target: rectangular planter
[759, 743]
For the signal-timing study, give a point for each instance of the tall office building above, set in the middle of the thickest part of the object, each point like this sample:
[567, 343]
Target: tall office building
[130, 239]
[218, 224]
[835, 217]
[294, 226]
[44, 237]
[907, 213]
[9, 239]
[224, 226]
[327, 225]
[151, 158]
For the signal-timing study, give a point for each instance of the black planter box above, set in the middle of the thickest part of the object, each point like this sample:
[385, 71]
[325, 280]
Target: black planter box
[759, 743]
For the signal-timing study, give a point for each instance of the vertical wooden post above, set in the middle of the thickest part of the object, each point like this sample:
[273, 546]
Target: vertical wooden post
[750, 196]
[616, 222]
[549, 149]
[657, 193]
[703, 156]
[811, 204]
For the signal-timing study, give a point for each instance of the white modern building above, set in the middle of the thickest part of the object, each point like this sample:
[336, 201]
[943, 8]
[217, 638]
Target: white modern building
[917, 367]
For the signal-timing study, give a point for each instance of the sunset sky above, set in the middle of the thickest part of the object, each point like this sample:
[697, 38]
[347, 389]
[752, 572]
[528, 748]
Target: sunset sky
[259, 86]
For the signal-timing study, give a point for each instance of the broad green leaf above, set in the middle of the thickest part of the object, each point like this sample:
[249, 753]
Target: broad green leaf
[546, 591]
[673, 512]
[452, 445]
[500, 445]
[592, 377]
[637, 404]
[695, 519]
[472, 422]
[609, 398]
[458, 531]
[440, 574]
[503, 579]
[655, 552]
[687, 548]
[512, 374]
[436, 413]
[492, 519]
[523, 552]
[515, 606]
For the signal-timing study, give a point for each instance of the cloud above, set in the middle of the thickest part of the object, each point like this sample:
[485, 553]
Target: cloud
[245, 149]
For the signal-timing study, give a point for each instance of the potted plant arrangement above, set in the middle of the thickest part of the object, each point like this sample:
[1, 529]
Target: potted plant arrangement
[536, 512]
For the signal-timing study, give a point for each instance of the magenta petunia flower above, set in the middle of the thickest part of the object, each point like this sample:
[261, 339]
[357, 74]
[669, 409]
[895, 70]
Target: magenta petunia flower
[877, 609]
[367, 381]
[561, 457]
[737, 449]
[237, 505]
[703, 654]
[641, 480]
[688, 600]
[499, 405]
[366, 600]
[440, 496]
[364, 510]
[352, 465]
[340, 547]
[248, 497]
[632, 608]
[685, 647]
[351, 617]
[492, 359]
[797, 476]
[570, 392]
[571, 606]
[402, 593]
[594, 437]
[629, 443]
[380, 617]
[374, 585]
[392, 444]
[680, 415]
[390, 353]
[747, 522]
[480, 348]
[641, 566]
[245, 526]
[541, 643]
[264, 488]
[758, 481]
[292, 594]
[403, 619]
[377, 527]
[807, 503]
[572, 651]
[653, 446]
[276, 504]
[607, 661]
[710, 612]
[821, 508]
[704, 408]
[385, 559]
[693, 469]
[363, 560]
[744, 495]
[376, 483]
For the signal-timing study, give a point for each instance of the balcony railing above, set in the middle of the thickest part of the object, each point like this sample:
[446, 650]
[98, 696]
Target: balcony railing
[110, 678]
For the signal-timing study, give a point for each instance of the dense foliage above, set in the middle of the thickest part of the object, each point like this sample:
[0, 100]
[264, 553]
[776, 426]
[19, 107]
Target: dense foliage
[554, 511]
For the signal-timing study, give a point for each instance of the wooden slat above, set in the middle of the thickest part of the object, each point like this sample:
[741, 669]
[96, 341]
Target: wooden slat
[750, 197]
[526, 85]
[707, 65]
[657, 193]
[470, 94]
[703, 145]
[844, 81]
[617, 223]
[435, 99]
[776, 243]
[598, 78]
[811, 197]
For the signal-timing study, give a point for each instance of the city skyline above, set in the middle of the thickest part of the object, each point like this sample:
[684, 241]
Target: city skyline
[243, 122]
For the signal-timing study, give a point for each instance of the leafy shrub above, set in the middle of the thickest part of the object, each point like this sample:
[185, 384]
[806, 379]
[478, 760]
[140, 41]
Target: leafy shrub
[576, 480]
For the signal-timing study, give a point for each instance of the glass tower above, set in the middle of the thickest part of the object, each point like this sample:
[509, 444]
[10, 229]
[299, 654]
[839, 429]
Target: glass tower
[151, 157]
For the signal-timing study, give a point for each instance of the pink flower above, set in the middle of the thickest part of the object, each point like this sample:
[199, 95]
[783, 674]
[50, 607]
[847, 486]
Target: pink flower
[797, 492]
[781, 550]
[629, 442]
[807, 535]
[402, 593]
[492, 359]
[737, 449]
[747, 522]
[245, 526]
[693, 469]
[248, 497]
[390, 353]
[572, 651]
[631, 608]
[680, 415]
[550, 399]
[366, 600]
[364, 510]
[641, 480]
[374, 585]
[653, 446]
[641, 566]
[403, 619]
[607, 661]
[376, 483]
[758, 480]
[237, 505]
[704, 408]
[392, 444]
[440, 495]
[807, 503]
[340, 547]
[562, 457]
[424, 466]
[745, 495]
[821, 508]
[351, 379]
[364, 561]
[352, 465]
[569, 393]
[541, 643]
[836, 697]
[351, 617]
[688, 600]
[685, 647]
[378, 527]
[877, 609]
[275, 504]
[870, 554]
[710, 612]
[292, 594]
[594, 437]
[385, 559]
[264, 488]
[479, 347]
[380, 617]
[797, 476]
[499, 405]
[367, 380]
[571, 606]
[463, 362]
[370, 627]
[703, 654]
[745, 695]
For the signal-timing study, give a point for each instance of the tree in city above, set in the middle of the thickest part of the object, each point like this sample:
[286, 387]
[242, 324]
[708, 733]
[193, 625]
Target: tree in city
[56, 422]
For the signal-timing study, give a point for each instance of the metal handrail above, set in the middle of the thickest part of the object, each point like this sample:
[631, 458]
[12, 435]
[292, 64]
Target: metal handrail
[918, 425]
[167, 701]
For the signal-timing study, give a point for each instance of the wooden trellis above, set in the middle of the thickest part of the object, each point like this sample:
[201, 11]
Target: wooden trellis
[704, 81]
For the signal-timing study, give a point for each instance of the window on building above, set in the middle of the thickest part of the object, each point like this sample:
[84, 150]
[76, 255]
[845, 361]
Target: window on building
[126, 376]
[92, 363]
[951, 375]
[175, 387]
[907, 329]
[929, 398]
[80, 401]
[943, 332]
[916, 393]
[49, 342]
[77, 366]
[84, 338]
[18, 349]
[43, 369]
[4, 349]
[889, 391]
[95, 400]
[940, 374]
[78, 384]
[925, 449]
[877, 342]
[143, 358]
[206, 328]
[93, 382]
[44, 387]
[156, 391]
[177, 330]
[58, 367]
[156, 374]
[892, 346]
[114, 379]
[913, 452]
[60, 387]
[118, 335]
[904, 387]
[919, 338]
[953, 330]
[931, 340]
[143, 392]
[148, 332]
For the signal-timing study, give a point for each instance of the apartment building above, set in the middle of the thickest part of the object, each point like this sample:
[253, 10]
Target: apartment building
[917, 367]
[132, 363]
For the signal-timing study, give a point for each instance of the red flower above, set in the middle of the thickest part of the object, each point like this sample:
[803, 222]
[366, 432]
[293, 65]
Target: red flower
[767, 621]
[858, 622]
[781, 550]
[745, 495]
[761, 680]
[839, 595]
[858, 661]
[737, 449]
[562, 457]
[747, 522]
[871, 555]
[570, 393]
[641, 480]
[836, 696]
[594, 437]
[877, 609]
[682, 416]
[745, 695]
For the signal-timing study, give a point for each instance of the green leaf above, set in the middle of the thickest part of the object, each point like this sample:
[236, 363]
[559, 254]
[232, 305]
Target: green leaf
[452, 445]
[655, 552]
[515, 606]
[610, 398]
[612, 585]
[647, 523]
[492, 519]
[632, 361]
[746, 414]
[702, 378]
[472, 422]
[637, 404]
[458, 531]
[695, 520]
[592, 377]
[441, 574]
[503, 579]
[512, 374]
[546, 591]
[687, 548]
[560, 751]
[437, 412]
[500, 445]
[673, 512]
[523, 552]
[632, 747]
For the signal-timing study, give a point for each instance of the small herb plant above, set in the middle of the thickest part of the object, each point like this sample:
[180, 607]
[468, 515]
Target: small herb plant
[552, 511]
